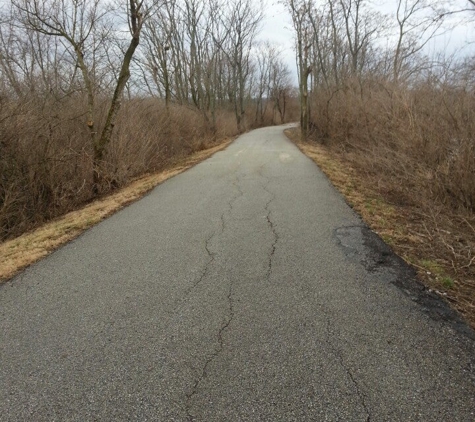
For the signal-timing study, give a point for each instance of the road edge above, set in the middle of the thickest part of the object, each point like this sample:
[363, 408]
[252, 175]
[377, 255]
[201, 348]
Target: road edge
[407, 280]
[21, 252]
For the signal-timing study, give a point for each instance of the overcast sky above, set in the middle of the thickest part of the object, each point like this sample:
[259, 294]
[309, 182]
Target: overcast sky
[277, 28]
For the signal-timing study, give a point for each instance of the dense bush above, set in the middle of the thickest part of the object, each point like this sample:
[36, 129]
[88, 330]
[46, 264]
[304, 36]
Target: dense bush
[419, 140]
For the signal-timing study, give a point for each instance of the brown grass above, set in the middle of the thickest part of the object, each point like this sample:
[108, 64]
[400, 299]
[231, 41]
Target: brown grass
[438, 244]
[18, 253]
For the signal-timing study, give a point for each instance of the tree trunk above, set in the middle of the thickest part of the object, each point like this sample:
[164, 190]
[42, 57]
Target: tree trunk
[103, 141]
[304, 105]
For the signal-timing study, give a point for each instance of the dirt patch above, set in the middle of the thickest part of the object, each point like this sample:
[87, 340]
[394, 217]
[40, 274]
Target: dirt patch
[437, 245]
[16, 254]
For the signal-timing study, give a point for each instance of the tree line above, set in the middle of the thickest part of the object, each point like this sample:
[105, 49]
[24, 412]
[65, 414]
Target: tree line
[95, 92]
[340, 42]
[202, 54]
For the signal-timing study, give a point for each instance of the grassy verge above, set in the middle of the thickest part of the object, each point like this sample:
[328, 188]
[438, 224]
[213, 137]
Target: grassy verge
[18, 253]
[420, 238]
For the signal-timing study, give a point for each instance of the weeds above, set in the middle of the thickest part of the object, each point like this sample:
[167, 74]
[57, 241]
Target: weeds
[448, 282]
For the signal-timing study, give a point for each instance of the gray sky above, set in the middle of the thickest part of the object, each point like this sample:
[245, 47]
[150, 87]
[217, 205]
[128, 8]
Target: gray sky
[277, 28]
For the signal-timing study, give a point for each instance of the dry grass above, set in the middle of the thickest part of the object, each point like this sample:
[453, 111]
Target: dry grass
[18, 253]
[417, 141]
[430, 242]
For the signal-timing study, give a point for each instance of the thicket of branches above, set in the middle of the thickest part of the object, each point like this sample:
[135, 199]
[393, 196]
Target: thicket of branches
[366, 84]
[96, 92]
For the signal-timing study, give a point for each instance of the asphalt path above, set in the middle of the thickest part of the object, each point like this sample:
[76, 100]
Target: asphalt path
[244, 289]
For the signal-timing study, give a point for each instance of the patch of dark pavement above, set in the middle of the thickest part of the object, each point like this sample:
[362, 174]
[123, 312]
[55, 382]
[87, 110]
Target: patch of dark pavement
[363, 245]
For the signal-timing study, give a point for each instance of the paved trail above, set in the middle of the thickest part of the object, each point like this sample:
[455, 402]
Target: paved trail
[244, 289]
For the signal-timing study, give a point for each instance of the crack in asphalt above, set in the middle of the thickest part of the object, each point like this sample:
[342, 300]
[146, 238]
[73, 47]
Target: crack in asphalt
[341, 361]
[205, 270]
[270, 222]
[213, 356]
[239, 195]
[207, 246]
[271, 225]
[230, 314]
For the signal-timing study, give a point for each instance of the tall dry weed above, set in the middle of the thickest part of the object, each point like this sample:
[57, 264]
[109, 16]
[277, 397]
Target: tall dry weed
[46, 152]
[46, 155]
[420, 138]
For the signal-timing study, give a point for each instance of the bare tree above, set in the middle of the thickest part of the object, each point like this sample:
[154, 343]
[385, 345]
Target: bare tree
[265, 57]
[74, 22]
[242, 23]
[417, 23]
[78, 22]
[137, 13]
[299, 10]
[360, 27]
[280, 87]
